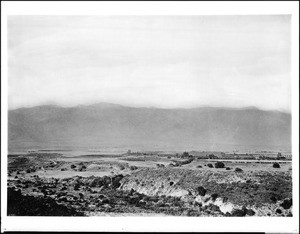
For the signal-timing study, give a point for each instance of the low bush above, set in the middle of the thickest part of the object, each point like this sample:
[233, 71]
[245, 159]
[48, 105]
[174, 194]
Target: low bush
[287, 203]
[201, 190]
[238, 169]
[219, 165]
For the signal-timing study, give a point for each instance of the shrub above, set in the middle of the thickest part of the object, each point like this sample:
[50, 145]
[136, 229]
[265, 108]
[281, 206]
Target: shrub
[238, 169]
[133, 168]
[250, 212]
[228, 168]
[278, 211]
[199, 166]
[276, 165]
[238, 213]
[273, 199]
[287, 203]
[214, 196]
[210, 165]
[219, 165]
[201, 190]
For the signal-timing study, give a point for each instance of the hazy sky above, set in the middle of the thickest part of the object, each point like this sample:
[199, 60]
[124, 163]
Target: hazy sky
[162, 61]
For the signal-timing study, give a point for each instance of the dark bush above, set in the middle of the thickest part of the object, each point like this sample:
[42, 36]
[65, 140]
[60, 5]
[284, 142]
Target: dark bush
[228, 168]
[73, 166]
[250, 212]
[219, 165]
[214, 208]
[276, 165]
[76, 187]
[199, 166]
[238, 169]
[273, 199]
[278, 211]
[201, 190]
[238, 213]
[214, 196]
[287, 203]
[133, 168]
[210, 165]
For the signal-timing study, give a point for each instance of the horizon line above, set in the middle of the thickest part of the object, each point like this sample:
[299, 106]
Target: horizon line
[149, 107]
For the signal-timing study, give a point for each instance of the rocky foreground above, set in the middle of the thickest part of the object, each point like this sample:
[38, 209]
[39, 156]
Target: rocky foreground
[164, 191]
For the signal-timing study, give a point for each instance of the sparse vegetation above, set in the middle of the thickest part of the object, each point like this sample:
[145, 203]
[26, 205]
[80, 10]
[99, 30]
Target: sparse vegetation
[154, 188]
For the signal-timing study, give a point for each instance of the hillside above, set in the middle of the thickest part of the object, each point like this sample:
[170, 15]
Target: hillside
[114, 125]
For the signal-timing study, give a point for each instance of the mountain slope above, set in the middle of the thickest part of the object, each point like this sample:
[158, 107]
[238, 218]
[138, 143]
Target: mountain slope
[114, 125]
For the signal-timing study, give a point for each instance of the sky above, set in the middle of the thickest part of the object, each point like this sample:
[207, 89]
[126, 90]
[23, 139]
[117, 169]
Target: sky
[150, 61]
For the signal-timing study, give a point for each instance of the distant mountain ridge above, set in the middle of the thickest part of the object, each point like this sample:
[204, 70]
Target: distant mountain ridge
[113, 125]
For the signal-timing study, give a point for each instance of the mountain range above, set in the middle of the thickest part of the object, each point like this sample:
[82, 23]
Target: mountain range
[113, 125]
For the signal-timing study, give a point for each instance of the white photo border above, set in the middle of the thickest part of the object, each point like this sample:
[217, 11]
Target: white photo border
[165, 224]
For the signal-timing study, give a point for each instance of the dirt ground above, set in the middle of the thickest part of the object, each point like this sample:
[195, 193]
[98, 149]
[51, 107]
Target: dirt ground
[149, 185]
